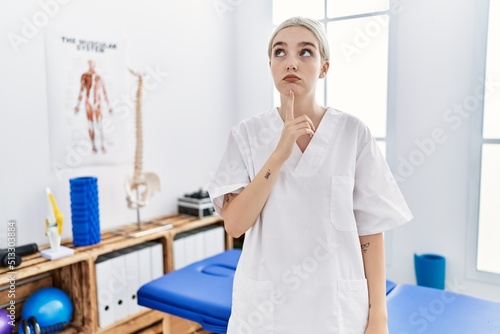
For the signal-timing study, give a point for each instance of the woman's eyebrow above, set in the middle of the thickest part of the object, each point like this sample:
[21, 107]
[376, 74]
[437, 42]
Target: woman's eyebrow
[279, 43]
[307, 44]
[301, 44]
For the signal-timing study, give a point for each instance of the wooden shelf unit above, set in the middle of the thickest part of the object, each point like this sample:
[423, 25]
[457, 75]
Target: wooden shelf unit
[76, 276]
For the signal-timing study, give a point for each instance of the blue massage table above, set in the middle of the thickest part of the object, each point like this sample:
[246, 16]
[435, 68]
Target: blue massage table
[202, 291]
[416, 309]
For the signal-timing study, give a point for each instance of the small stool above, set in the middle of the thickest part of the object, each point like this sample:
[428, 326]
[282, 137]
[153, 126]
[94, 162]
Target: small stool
[201, 292]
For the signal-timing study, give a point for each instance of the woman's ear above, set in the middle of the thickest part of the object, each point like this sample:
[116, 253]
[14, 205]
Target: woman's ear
[324, 69]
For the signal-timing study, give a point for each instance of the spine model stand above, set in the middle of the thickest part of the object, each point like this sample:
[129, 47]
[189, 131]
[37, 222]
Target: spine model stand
[140, 186]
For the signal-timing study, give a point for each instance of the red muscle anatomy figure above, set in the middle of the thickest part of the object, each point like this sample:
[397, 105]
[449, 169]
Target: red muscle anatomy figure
[92, 87]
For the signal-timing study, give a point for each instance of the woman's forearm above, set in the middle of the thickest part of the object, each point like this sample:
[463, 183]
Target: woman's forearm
[240, 212]
[372, 247]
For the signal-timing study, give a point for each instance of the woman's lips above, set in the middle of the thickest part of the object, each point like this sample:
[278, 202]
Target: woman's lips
[291, 78]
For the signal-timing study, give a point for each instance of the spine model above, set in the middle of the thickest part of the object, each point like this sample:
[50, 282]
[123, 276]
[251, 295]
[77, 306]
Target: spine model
[141, 186]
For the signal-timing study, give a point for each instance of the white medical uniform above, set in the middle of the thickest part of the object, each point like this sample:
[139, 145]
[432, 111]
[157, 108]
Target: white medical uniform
[301, 268]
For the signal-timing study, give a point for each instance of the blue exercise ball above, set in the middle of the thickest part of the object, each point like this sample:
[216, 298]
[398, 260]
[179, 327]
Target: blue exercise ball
[50, 307]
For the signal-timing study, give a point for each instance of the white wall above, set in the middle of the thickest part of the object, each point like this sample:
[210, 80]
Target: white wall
[254, 92]
[218, 75]
[186, 118]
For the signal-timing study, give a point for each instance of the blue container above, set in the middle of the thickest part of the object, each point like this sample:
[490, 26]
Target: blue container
[430, 270]
[85, 211]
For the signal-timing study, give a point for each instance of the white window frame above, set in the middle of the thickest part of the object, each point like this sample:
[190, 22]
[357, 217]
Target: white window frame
[475, 152]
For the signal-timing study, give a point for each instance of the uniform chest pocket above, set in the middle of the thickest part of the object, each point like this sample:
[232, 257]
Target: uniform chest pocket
[341, 203]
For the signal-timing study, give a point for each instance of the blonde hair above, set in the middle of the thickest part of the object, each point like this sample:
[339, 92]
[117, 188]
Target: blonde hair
[313, 26]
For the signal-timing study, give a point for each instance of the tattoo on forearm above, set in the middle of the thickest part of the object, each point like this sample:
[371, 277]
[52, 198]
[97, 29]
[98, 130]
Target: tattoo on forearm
[268, 173]
[364, 247]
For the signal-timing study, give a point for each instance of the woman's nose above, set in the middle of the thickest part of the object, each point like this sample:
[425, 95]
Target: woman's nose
[291, 65]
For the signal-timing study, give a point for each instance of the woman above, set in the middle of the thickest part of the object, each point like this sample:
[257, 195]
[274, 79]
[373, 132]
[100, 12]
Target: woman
[312, 193]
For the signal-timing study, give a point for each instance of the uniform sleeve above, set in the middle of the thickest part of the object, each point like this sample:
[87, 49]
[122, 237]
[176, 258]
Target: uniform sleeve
[232, 174]
[378, 203]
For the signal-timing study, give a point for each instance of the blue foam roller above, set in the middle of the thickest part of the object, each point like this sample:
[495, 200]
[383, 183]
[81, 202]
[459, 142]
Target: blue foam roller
[84, 180]
[85, 211]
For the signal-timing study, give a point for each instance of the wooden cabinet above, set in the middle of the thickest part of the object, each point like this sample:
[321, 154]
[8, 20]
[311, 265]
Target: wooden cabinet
[77, 277]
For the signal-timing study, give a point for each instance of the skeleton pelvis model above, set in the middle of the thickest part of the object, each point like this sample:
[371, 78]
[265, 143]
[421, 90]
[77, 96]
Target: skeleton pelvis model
[140, 189]
[141, 185]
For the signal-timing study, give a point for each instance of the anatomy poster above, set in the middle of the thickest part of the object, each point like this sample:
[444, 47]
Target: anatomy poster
[90, 110]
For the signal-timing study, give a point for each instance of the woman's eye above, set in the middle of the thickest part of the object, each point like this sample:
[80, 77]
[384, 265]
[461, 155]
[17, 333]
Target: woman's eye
[306, 53]
[279, 53]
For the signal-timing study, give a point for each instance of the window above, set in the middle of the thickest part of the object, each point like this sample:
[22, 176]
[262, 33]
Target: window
[488, 217]
[358, 33]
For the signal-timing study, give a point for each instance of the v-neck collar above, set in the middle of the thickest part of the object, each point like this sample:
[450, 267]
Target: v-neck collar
[308, 162]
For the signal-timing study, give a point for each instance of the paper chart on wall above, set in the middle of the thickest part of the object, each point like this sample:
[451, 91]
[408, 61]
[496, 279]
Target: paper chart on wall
[90, 115]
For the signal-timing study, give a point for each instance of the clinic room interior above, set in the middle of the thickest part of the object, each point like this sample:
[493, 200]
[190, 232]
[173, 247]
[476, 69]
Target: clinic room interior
[120, 112]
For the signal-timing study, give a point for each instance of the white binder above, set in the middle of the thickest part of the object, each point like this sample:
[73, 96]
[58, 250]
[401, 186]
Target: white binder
[104, 295]
[199, 245]
[179, 251]
[214, 241]
[189, 248]
[118, 285]
[156, 251]
[131, 260]
[144, 266]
